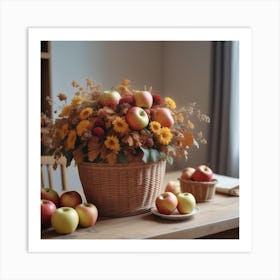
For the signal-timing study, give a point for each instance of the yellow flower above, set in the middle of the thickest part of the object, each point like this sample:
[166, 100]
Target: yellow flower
[71, 139]
[112, 143]
[165, 136]
[65, 111]
[77, 100]
[190, 125]
[85, 113]
[155, 127]
[180, 118]
[120, 125]
[62, 132]
[82, 126]
[170, 103]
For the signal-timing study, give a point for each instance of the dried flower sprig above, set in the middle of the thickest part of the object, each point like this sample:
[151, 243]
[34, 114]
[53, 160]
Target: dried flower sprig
[99, 126]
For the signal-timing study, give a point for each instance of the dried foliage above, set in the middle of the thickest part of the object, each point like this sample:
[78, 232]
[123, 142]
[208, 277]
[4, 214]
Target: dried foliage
[86, 130]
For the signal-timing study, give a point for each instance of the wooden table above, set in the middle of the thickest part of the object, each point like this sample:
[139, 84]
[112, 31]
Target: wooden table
[218, 218]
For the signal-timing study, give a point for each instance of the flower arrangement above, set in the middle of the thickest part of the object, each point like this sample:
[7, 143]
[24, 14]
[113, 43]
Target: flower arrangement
[120, 125]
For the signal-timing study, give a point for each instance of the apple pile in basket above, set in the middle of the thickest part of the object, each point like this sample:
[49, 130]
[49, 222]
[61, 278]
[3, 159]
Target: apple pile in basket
[120, 125]
[199, 181]
[65, 212]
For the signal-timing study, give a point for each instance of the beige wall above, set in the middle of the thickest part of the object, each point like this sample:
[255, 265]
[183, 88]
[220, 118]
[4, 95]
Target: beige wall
[186, 77]
[180, 70]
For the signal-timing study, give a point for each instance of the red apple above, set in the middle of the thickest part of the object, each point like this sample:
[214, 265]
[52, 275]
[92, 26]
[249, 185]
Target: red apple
[163, 116]
[203, 173]
[166, 203]
[65, 220]
[174, 187]
[50, 194]
[186, 203]
[187, 173]
[143, 99]
[88, 214]
[110, 98]
[127, 99]
[137, 118]
[47, 209]
[70, 199]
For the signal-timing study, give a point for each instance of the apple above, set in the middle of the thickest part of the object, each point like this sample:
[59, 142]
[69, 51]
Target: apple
[203, 173]
[70, 199]
[110, 98]
[163, 116]
[186, 203]
[50, 194]
[128, 99]
[187, 173]
[47, 209]
[137, 118]
[143, 99]
[173, 186]
[166, 203]
[65, 220]
[88, 214]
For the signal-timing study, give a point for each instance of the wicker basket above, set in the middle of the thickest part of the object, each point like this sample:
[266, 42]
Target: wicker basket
[202, 191]
[122, 189]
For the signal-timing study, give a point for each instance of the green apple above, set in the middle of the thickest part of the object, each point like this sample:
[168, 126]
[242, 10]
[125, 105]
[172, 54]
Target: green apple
[88, 214]
[137, 118]
[110, 98]
[65, 220]
[186, 203]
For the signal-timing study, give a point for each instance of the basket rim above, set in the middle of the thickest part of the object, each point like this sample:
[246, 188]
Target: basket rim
[131, 164]
[212, 182]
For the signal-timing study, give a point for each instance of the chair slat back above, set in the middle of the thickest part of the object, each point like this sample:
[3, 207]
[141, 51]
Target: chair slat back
[47, 163]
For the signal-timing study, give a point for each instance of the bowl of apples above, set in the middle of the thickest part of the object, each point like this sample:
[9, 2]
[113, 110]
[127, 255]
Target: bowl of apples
[199, 181]
[172, 205]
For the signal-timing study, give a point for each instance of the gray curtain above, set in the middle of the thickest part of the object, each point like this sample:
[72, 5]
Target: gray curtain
[224, 112]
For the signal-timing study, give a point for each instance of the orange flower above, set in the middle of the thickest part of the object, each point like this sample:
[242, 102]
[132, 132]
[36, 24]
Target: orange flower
[77, 100]
[71, 139]
[85, 113]
[112, 143]
[120, 125]
[82, 127]
[65, 111]
[63, 131]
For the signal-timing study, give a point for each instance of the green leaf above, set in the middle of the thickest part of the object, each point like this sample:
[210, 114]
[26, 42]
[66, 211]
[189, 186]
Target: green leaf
[154, 155]
[69, 156]
[122, 158]
[146, 154]
[195, 143]
[162, 155]
[170, 160]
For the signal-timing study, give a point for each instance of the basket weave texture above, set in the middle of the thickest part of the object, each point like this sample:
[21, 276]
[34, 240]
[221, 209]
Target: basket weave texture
[120, 190]
[202, 191]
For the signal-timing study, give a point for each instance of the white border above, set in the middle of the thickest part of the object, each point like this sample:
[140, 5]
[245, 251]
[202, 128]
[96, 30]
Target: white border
[243, 35]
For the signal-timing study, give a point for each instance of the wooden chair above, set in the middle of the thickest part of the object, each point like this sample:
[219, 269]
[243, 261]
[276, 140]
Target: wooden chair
[47, 163]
